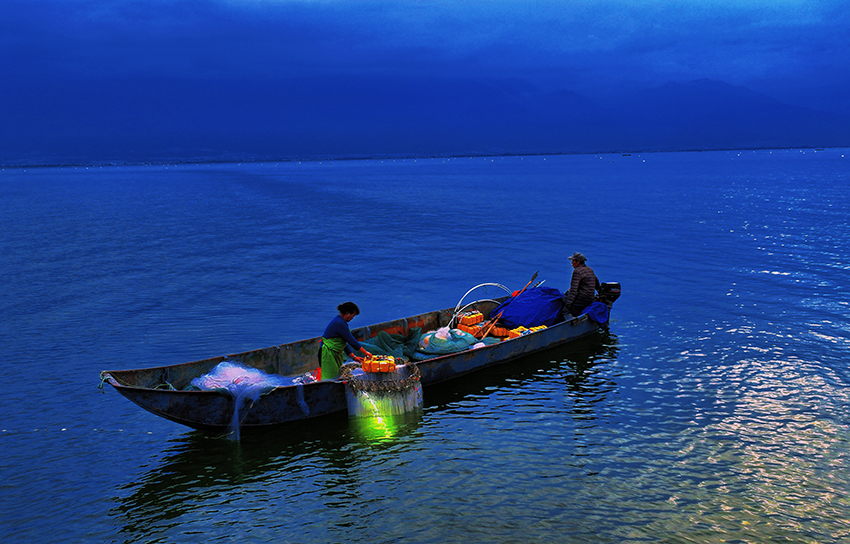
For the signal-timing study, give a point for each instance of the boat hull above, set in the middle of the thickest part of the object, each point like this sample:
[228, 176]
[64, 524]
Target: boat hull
[159, 390]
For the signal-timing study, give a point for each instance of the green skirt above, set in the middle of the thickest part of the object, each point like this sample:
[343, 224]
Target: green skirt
[333, 354]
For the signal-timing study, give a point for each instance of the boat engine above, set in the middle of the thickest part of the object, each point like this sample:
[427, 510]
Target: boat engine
[608, 292]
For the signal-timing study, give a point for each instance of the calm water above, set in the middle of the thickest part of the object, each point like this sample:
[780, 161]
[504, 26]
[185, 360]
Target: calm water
[715, 410]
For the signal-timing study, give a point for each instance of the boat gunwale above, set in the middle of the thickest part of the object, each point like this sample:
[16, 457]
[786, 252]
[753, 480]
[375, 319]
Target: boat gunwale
[108, 375]
[296, 402]
[361, 333]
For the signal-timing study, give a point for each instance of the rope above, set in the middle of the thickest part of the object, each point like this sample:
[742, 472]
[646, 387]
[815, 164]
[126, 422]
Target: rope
[104, 377]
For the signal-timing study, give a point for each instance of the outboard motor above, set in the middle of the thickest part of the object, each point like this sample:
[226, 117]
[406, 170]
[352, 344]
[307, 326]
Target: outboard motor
[608, 292]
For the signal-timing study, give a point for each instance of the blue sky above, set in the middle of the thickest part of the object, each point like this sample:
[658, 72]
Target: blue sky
[791, 50]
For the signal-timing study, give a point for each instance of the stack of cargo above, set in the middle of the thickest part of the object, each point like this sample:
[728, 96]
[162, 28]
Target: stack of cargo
[474, 324]
[471, 318]
[470, 322]
[522, 331]
[499, 332]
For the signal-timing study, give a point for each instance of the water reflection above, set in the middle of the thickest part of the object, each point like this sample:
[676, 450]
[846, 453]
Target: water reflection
[201, 471]
[198, 466]
[578, 361]
[582, 362]
[340, 470]
[383, 431]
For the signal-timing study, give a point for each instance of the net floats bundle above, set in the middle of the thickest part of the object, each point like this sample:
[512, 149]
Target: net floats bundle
[379, 363]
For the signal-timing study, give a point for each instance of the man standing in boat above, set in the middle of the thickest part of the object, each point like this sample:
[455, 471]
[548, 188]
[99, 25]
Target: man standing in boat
[336, 342]
[583, 287]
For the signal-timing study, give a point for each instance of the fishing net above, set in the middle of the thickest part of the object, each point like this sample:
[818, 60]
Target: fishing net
[370, 394]
[419, 346]
[397, 345]
[406, 376]
[246, 385]
[445, 340]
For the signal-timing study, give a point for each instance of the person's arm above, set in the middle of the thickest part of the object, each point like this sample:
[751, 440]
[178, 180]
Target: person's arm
[571, 294]
[365, 354]
[345, 334]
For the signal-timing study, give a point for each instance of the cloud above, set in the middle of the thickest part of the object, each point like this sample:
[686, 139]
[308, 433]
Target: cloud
[158, 51]
[539, 40]
[578, 42]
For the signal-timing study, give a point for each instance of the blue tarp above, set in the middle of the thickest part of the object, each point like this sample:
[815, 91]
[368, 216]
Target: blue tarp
[531, 308]
[597, 312]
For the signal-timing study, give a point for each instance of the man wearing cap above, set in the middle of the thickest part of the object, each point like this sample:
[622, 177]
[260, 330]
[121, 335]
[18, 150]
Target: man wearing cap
[583, 286]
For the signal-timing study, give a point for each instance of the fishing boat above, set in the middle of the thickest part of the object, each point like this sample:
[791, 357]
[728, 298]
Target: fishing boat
[166, 390]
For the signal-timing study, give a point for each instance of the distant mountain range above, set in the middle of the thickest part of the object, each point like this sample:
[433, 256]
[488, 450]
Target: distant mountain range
[68, 122]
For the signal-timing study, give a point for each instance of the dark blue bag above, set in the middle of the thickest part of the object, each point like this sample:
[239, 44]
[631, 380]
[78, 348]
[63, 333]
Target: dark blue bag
[531, 308]
[597, 312]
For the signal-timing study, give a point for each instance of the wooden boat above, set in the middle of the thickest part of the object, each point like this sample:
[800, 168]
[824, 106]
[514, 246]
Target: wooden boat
[160, 390]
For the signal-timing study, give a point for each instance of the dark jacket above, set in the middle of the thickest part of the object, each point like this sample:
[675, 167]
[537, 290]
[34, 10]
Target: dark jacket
[583, 288]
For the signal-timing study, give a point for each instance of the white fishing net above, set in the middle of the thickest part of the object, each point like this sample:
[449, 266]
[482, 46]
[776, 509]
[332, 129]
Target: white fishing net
[246, 385]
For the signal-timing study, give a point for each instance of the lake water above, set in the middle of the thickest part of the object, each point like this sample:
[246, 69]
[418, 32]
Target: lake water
[715, 409]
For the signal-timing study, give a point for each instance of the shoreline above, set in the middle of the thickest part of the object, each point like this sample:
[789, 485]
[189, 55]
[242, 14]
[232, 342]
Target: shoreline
[340, 158]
